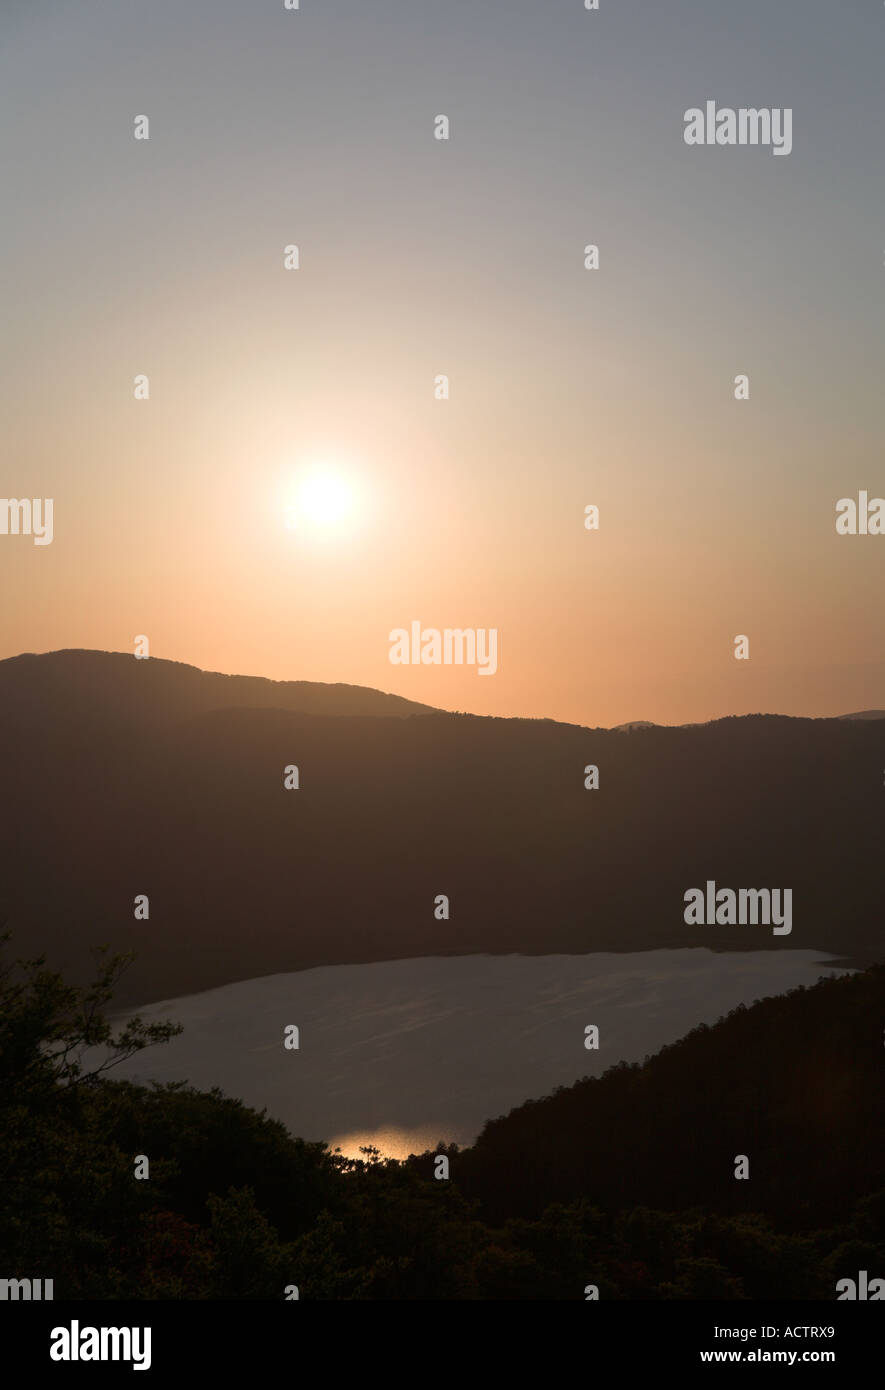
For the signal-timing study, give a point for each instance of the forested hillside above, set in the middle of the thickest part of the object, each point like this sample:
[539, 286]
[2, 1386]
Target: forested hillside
[235, 1207]
[124, 778]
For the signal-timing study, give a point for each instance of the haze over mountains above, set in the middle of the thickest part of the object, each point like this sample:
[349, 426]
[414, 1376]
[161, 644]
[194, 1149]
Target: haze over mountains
[125, 777]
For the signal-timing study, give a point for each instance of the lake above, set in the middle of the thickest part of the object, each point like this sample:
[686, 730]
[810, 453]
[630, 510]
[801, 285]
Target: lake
[401, 1054]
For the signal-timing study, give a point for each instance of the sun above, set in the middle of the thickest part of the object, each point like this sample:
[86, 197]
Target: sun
[324, 502]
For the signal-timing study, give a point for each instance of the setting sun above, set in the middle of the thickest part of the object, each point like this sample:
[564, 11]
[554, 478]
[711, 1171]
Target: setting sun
[324, 501]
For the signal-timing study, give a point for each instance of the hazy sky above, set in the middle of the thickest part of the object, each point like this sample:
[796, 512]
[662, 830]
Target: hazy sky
[422, 257]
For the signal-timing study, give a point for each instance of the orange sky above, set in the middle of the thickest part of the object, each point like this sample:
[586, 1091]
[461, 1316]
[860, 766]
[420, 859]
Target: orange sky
[567, 387]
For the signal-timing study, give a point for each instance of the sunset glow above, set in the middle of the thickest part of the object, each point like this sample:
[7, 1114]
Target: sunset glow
[325, 501]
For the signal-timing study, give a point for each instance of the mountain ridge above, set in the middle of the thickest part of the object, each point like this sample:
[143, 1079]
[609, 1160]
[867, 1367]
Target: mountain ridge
[161, 792]
[199, 685]
[301, 695]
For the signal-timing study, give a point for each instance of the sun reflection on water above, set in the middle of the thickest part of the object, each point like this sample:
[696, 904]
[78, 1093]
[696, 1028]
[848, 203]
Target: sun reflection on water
[390, 1142]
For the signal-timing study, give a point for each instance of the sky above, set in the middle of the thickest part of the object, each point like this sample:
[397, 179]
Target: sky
[418, 258]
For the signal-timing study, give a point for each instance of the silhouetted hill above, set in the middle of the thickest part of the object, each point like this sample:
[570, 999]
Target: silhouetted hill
[865, 714]
[120, 778]
[114, 687]
[795, 1082]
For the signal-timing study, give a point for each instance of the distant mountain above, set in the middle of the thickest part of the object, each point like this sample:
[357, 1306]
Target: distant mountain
[115, 687]
[648, 724]
[125, 777]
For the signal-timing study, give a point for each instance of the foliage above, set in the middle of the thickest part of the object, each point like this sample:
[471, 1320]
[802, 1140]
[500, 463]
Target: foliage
[236, 1208]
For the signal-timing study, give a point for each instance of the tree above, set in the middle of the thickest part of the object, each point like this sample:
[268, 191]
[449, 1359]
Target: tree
[47, 1027]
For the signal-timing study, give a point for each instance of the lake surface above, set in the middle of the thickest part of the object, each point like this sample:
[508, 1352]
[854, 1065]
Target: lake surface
[404, 1053]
